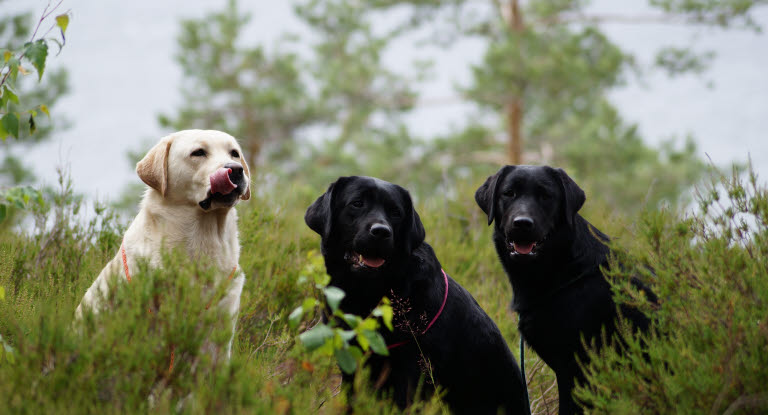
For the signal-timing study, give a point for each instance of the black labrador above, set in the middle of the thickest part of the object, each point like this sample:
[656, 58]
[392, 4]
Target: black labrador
[373, 245]
[552, 257]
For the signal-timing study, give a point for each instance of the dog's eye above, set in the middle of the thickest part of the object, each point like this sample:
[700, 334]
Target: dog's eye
[509, 193]
[395, 214]
[234, 154]
[199, 153]
[357, 203]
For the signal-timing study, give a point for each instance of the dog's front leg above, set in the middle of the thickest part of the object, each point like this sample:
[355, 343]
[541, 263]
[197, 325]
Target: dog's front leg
[231, 303]
[567, 405]
[99, 290]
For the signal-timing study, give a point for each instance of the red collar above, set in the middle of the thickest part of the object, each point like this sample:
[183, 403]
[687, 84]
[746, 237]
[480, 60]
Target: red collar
[440, 311]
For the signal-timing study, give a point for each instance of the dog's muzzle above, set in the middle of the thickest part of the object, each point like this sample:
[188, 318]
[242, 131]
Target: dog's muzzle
[221, 182]
[226, 184]
[371, 244]
[521, 239]
[359, 261]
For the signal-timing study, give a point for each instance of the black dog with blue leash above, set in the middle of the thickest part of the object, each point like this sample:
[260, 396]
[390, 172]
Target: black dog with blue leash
[553, 258]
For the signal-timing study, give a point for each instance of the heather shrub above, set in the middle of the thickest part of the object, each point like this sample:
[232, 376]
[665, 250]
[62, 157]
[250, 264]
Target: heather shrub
[706, 354]
[708, 351]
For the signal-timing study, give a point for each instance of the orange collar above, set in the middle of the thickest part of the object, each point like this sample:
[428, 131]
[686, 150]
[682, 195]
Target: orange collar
[125, 261]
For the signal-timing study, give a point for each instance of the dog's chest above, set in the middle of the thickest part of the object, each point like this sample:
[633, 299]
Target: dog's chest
[549, 334]
[406, 319]
[223, 252]
[555, 327]
[212, 239]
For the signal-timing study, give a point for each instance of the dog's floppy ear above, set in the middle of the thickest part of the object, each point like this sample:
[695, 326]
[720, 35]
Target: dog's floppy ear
[573, 195]
[247, 171]
[413, 230]
[153, 168]
[319, 215]
[486, 195]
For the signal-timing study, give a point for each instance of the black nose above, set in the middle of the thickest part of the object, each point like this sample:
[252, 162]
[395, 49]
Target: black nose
[522, 222]
[381, 230]
[237, 171]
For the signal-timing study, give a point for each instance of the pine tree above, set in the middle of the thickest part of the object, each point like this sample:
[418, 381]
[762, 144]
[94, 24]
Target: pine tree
[541, 89]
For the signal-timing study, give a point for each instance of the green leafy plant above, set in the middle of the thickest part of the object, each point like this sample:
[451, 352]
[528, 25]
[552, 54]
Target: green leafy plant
[13, 110]
[34, 52]
[348, 337]
[19, 197]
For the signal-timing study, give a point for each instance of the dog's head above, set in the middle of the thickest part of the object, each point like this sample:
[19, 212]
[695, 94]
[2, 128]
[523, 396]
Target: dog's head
[366, 222]
[529, 204]
[205, 168]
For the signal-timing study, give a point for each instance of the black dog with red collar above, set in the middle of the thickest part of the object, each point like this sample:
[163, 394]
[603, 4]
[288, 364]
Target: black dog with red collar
[373, 245]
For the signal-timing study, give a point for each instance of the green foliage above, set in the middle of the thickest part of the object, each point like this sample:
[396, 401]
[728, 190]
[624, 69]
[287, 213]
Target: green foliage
[35, 52]
[256, 95]
[720, 13]
[6, 351]
[270, 99]
[711, 329]
[121, 357]
[9, 124]
[604, 143]
[20, 44]
[346, 336]
[62, 21]
[708, 271]
[677, 61]
[34, 99]
[354, 83]
[19, 197]
[341, 110]
[552, 68]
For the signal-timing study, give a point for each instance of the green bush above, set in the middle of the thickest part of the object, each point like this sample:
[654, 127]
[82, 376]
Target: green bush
[710, 275]
[709, 351]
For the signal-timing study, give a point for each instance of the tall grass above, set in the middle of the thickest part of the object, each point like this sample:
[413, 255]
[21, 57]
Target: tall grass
[118, 361]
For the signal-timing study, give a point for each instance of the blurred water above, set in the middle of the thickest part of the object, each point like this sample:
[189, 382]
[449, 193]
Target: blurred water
[121, 61]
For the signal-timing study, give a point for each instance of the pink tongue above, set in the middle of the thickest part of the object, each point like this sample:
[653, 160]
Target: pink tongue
[373, 262]
[220, 182]
[523, 249]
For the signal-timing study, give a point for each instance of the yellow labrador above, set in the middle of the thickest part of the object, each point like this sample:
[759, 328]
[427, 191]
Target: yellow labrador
[195, 178]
